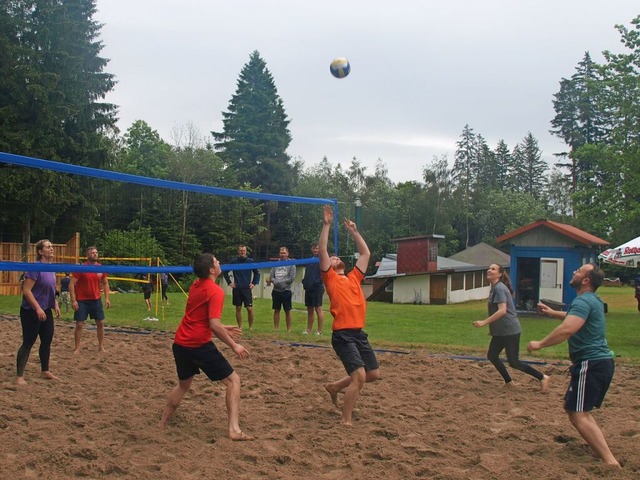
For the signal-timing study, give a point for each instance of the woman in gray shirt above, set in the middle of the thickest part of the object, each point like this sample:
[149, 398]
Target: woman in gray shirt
[504, 328]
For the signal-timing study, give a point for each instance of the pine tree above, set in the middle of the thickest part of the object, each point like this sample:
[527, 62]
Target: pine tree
[51, 104]
[504, 166]
[531, 169]
[486, 167]
[463, 175]
[256, 134]
[578, 119]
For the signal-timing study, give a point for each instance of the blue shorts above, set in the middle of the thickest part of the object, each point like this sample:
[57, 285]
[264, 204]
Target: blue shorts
[242, 296]
[190, 361]
[590, 380]
[353, 349]
[89, 308]
[281, 300]
[313, 298]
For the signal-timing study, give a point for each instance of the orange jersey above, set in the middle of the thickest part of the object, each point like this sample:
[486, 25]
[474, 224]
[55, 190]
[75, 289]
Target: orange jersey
[348, 305]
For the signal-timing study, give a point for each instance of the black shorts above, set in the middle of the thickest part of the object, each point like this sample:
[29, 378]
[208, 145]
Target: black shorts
[313, 298]
[147, 294]
[353, 348]
[590, 380]
[281, 300]
[190, 361]
[242, 296]
[89, 308]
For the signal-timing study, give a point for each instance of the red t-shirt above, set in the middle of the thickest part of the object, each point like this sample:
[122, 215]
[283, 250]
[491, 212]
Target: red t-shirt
[204, 303]
[88, 284]
[348, 305]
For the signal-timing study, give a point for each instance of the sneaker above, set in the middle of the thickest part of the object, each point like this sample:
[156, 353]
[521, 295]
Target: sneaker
[304, 332]
[318, 333]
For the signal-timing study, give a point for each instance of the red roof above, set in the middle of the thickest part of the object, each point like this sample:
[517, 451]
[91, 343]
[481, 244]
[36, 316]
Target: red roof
[564, 229]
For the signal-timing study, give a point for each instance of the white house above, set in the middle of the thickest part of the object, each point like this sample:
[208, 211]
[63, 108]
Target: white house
[416, 274]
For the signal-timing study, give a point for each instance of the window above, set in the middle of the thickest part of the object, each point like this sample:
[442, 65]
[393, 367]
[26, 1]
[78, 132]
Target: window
[468, 280]
[457, 281]
[433, 253]
[479, 276]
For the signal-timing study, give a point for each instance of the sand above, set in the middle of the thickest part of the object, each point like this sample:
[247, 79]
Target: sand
[431, 416]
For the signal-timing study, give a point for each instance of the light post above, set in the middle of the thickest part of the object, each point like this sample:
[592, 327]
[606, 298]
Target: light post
[358, 220]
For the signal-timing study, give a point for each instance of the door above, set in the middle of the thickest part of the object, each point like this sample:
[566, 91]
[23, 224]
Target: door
[551, 273]
[438, 289]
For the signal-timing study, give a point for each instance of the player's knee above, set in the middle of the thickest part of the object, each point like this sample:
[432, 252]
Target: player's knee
[232, 381]
[373, 375]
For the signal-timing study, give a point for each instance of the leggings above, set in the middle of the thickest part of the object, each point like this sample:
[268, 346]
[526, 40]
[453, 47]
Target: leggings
[32, 328]
[510, 343]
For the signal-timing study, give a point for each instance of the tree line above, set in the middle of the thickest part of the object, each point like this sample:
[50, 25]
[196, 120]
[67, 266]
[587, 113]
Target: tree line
[52, 106]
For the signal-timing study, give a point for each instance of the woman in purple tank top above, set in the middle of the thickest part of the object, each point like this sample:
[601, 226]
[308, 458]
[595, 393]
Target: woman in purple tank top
[36, 313]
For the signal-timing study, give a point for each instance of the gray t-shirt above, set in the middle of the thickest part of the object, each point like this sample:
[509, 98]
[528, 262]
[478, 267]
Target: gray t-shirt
[509, 324]
[283, 277]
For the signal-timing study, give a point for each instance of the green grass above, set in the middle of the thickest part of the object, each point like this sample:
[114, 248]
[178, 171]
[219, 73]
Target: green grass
[439, 328]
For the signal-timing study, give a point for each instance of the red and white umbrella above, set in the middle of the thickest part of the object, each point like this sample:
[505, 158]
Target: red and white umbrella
[626, 255]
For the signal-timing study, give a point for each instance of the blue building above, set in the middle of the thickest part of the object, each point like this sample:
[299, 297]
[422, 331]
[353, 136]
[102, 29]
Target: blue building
[544, 255]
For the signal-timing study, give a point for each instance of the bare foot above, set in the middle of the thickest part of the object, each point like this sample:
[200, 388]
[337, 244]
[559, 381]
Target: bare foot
[76, 351]
[21, 381]
[347, 424]
[102, 350]
[49, 376]
[509, 385]
[544, 383]
[334, 395]
[241, 437]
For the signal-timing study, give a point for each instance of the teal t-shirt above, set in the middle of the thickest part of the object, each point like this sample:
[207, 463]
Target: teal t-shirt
[589, 343]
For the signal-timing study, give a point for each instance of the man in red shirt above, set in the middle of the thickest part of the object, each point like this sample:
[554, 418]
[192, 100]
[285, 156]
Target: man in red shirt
[348, 308]
[194, 351]
[84, 291]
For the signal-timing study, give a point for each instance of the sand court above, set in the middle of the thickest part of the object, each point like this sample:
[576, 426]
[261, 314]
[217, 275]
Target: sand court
[431, 416]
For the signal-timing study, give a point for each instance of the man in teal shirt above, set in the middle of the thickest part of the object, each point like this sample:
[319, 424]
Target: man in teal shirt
[584, 326]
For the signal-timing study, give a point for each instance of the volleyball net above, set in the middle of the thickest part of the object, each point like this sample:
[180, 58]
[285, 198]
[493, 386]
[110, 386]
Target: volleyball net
[236, 213]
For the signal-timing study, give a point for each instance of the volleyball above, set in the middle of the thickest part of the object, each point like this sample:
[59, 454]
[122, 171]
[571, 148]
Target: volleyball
[340, 67]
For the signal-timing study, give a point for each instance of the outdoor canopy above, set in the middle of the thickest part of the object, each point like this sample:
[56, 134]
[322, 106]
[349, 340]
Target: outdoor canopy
[626, 255]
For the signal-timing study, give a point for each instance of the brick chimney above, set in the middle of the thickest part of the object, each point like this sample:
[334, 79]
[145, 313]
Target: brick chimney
[418, 254]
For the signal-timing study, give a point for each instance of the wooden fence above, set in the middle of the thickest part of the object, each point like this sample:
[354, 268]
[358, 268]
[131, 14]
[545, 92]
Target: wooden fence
[12, 252]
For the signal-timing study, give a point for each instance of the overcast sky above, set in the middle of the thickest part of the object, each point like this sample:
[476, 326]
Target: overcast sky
[421, 70]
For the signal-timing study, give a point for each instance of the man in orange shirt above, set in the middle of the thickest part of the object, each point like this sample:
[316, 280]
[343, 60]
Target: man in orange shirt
[348, 308]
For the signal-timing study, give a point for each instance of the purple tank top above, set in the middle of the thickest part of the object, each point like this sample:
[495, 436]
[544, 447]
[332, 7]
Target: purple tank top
[44, 289]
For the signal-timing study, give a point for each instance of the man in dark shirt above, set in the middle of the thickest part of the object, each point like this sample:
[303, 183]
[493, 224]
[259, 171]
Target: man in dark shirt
[242, 285]
[313, 292]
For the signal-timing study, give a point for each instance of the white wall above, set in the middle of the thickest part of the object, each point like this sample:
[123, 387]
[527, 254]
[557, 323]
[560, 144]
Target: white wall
[460, 296]
[413, 288]
[262, 291]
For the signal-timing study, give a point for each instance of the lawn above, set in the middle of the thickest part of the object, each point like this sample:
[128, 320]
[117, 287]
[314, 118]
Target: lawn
[440, 328]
